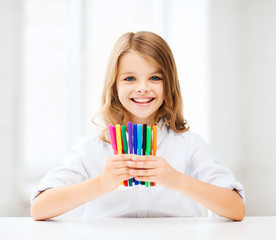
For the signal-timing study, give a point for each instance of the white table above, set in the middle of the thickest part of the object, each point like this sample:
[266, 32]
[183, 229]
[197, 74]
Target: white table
[259, 228]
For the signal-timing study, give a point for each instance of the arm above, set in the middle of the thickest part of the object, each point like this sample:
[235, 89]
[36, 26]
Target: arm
[222, 201]
[56, 201]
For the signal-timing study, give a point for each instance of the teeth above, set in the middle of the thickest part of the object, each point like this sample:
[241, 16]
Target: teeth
[142, 100]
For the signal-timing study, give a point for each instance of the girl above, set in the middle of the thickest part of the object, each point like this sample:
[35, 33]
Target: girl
[141, 86]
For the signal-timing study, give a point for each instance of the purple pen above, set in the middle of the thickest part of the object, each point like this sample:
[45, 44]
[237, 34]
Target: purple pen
[130, 140]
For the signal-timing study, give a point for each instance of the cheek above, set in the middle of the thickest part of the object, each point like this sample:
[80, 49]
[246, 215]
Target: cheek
[121, 94]
[161, 93]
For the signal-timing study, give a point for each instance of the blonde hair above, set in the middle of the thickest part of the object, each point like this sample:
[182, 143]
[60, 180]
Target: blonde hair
[153, 47]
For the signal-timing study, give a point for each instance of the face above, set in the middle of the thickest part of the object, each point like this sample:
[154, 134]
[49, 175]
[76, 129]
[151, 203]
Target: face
[140, 87]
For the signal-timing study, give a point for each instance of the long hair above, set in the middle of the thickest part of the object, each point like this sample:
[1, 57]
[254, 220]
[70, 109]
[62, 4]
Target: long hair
[153, 47]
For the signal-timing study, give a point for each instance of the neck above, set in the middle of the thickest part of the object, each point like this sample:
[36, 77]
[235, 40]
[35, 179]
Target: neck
[147, 121]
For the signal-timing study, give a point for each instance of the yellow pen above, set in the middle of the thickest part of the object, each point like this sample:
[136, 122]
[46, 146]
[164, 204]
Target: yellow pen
[119, 141]
[118, 138]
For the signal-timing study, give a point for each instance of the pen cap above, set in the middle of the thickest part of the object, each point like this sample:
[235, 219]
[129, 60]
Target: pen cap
[134, 133]
[130, 138]
[112, 137]
[139, 136]
[154, 138]
[148, 140]
[119, 138]
[144, 136]
[124, 139]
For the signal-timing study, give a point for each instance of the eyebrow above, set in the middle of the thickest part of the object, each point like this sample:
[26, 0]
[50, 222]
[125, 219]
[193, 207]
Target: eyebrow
[133, 73]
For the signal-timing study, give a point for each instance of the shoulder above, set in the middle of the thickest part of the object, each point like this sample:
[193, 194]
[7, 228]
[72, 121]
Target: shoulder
[187, 136]
[189, 141]
[91, 141]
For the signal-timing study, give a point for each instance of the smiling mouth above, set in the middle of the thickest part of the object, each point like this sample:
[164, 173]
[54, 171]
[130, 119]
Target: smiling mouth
[142, 100]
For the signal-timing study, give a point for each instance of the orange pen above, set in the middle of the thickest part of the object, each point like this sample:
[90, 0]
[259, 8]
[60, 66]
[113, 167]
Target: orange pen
[154, 140]
[154, 144]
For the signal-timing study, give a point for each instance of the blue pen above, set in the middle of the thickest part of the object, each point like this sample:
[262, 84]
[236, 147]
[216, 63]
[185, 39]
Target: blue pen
[134, 133]
[140, 140]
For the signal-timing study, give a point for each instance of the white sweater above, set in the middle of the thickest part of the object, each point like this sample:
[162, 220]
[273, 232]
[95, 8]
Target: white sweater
[186, 152]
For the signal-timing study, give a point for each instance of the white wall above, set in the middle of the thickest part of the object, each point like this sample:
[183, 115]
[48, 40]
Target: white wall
[226, 78]
[10, 27]
[243, 77]
[260, 106]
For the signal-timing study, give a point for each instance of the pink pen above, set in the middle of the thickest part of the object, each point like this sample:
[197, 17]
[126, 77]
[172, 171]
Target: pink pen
[112, 138]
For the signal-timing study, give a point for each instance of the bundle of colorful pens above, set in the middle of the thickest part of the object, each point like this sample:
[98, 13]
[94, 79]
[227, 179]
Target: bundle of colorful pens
[142, 140]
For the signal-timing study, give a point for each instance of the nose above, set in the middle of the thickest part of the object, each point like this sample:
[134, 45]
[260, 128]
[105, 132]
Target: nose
[143, 87]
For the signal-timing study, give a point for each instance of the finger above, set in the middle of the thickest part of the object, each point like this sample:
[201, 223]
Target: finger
[146, 179]
[120, 164]
[142, 164]
[125, 177]
[147, 172]
[122, 157]
[135, 157]
[121, 171]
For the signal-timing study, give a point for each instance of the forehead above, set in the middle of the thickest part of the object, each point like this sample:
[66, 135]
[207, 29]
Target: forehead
[135, 62]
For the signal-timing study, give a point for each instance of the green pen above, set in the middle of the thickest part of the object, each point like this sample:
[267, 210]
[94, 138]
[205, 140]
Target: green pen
[124, 139]
[125, 147]
[148, 147]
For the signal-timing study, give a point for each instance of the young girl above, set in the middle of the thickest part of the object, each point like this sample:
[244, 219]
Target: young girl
[141, 86]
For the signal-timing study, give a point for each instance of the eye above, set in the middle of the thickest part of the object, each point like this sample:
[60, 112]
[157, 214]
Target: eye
[130, 79]
[155, 78]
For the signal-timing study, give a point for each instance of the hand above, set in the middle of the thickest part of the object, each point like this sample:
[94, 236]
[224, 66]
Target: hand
[153, 169]
[115, 171]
